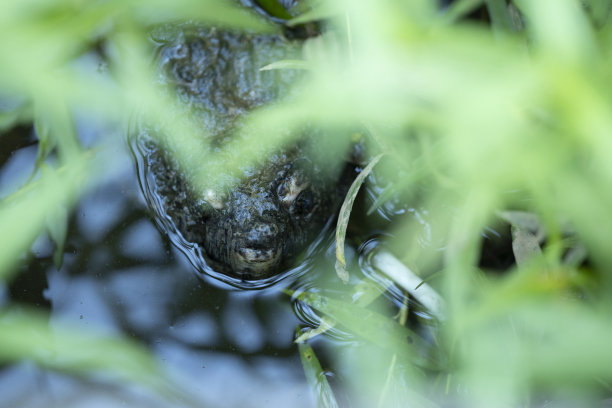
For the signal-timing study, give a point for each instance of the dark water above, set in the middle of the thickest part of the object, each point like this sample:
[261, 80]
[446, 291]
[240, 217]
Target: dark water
[121, 276]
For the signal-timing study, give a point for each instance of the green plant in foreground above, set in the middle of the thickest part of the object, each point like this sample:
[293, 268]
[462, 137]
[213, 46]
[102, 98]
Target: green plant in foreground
[473, 119]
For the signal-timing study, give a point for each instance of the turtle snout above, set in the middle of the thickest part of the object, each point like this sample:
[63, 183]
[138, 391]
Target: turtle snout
[259, 252]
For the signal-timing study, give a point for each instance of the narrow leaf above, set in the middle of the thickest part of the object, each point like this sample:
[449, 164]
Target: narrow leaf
[286, 64]
[316, 377]
[344, 216]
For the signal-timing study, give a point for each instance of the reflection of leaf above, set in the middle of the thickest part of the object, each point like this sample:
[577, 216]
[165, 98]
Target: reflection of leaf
[316, 377]
[376, 328]
[363, 294]
[344, 216]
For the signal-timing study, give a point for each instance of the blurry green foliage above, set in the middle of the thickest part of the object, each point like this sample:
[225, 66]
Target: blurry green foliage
[474, 116]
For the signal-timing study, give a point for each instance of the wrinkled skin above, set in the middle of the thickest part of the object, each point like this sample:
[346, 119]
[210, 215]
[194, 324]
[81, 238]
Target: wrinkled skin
[253, 230]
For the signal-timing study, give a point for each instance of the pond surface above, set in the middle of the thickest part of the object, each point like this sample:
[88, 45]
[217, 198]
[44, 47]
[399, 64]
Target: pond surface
[121, 276]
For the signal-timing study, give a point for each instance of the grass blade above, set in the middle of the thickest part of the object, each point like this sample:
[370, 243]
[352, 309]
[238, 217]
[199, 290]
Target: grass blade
[316, 377]
[344, 216]
[286, 64]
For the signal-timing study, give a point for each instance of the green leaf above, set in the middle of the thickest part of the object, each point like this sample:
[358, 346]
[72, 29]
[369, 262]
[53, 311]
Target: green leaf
[14, 116]
[28, 209]
[344, 216]
[315, 376]
[321, 11]
[376, 328]
[560, 28]
[500, 15]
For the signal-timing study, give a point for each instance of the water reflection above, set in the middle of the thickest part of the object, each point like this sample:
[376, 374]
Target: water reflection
[121, 276]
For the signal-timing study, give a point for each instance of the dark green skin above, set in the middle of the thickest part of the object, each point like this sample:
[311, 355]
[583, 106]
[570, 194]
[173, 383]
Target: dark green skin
[254, 230]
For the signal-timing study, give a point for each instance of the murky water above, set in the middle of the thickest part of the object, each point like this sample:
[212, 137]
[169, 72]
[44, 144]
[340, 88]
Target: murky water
[121, 275]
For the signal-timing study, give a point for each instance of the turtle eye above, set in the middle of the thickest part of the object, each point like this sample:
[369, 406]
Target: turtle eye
[213, 199]
[290, 189]
[304, 202]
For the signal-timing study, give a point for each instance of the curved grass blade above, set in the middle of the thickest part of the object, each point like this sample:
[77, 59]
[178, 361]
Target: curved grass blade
[316, 377]
[286, 64]
[377, 329]
[343, 218]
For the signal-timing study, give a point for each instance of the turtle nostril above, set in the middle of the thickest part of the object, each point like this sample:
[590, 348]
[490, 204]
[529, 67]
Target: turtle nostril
[261, 234]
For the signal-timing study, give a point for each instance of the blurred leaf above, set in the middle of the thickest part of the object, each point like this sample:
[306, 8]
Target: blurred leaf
[274, 8]
[320, 11]
[376, 328]
[599, 10]
[28, 209]
[344, 216]
[560, 27]
[500, 15]
[26, 335]
[460, 9]
[316, 377]
[218, 12]
[21, 113]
